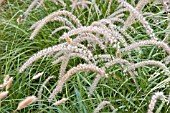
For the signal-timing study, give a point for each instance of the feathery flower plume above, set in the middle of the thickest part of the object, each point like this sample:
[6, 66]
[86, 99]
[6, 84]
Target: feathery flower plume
[123, 32]
[85, 58]
[122, 62]
[89, 38]
[59, 29]
[60, 101]
[42, 86]
[138, 7]
[155, 97]
[88, 29]
[108, 7]
[96, 7]
[134, 45]
[94, 84]
[101, 106]
[119, 16]
[82, 3]
[139, 16]
[3, 94]
[119, 11]
[115, 28]
[103, 58]
[165, 5]
[6, 79]
[26, 102]
[162, 84]
[62, 2]
[58, 54]
[111, 29]
[30, 8]
[117, 19]
[37, 75]
[39, 55]
[64, 64]
[148, 62]
[110, 20]
[58, 18]
[72, 71]
[65, 21]
[60, 47]
[115, 35]
[167, 59]
[60, 59]
[99, 30]
[40, 3]
[117, 61]
[51, 17]
[76, 45]
[9, 83]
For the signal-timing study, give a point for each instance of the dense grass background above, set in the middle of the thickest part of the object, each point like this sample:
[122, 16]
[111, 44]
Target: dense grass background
[120, 90]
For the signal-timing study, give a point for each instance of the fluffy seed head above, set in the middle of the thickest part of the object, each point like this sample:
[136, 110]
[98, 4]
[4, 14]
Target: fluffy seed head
[101, 106]
[27, 101]
[3, 94]
[60, 101]
[155, 97]
[6, 78]
[9, 83]
[37, 75]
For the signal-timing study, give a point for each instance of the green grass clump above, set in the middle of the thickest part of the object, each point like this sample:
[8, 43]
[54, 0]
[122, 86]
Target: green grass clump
[119, 89]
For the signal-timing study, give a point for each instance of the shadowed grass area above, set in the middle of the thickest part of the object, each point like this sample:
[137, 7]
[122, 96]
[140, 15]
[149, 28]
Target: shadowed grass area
[119, 89]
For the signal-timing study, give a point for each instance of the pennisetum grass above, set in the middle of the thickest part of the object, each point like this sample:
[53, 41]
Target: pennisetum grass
[28, 100]
[60, 101]
[72, 71]
[101, 42]
[9, 83]
[37, 75]
[101, 106]
[155, 97]
[3, 94]
[42, 86]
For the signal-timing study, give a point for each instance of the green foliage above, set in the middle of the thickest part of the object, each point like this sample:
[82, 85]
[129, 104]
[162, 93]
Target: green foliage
[119, 89]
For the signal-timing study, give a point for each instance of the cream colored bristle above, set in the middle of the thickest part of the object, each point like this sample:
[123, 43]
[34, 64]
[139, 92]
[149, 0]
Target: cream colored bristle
[3, 94]
[60, 101]
[6, 78]
[26, 102]
[37, 75]
[9, 83]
